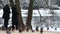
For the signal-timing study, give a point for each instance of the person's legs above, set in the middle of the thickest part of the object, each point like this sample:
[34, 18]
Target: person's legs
[6, 23]
[12, 25]
[16, 26]
[16, 23]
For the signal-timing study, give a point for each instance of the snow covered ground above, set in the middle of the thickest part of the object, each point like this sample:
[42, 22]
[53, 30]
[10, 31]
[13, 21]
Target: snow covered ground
[35, 14]
[50, 29]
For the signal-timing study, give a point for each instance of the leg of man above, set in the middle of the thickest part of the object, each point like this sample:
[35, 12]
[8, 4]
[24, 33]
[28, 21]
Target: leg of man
[6, 23]
[16, 23]
[13, 24]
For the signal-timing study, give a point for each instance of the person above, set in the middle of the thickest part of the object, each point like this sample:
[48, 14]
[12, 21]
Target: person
[14, 17]
[55, 28]
[37, 28]
[41, 31]
[47, 28]
[6, 15]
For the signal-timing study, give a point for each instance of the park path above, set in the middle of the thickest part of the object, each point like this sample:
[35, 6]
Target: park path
[16, 32]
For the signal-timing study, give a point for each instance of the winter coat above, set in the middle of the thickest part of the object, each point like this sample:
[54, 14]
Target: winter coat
[6, 12]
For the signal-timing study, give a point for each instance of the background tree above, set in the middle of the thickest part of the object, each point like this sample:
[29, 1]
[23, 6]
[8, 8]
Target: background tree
[11, 3]
[58, 2]
[29, 17]
[1, 4]
[20, 25]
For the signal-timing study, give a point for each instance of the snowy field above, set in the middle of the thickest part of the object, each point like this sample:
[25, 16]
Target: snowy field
[50, 29]
[35, 14]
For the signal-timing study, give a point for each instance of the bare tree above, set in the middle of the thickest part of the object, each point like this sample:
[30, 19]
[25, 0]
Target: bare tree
[20, 25]
[29, 17]
[11, 3]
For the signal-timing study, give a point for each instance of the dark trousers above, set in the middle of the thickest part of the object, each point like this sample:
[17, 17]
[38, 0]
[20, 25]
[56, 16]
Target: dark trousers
[6, 23]
[14, 27]
[14, 22]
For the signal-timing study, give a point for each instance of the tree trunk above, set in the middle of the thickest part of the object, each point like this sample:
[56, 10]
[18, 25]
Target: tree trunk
[11, 3]
[29, 18]
[20, 25]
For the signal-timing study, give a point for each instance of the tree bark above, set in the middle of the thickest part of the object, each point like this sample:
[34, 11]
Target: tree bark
[11, 3]
[20, 25]
[29, 17]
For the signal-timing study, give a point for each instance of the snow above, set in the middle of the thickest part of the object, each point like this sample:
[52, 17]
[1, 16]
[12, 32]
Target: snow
[1, 12]
[45, 13]
[50, 29]
[35, 13]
